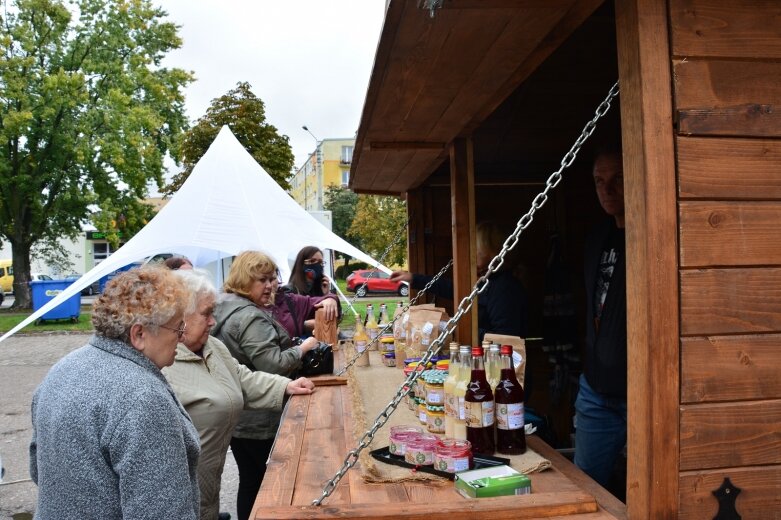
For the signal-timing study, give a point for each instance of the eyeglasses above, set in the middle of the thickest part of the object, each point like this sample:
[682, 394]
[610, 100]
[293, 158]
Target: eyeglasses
[313, 261]
[179, 330]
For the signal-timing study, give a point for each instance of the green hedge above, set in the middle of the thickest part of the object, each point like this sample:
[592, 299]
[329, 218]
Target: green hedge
[343, 271]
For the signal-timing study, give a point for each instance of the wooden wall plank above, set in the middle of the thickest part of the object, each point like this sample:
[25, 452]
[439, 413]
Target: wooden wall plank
[729, 368]
[730, 301]
[462, 184]
[651, 243]
[726, 83]
[730, 233]
[759, 498]
[726, 28]
[728, 97]
[724, 168]
[733, 434]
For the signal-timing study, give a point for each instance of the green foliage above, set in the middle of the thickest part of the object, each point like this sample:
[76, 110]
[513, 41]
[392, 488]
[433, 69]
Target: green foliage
[378, 222]
[342, 202]
[88, 114]
[343, 271]
[245, 115]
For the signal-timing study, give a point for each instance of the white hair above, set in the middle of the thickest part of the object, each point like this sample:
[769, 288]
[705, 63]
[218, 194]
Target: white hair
[198, 281]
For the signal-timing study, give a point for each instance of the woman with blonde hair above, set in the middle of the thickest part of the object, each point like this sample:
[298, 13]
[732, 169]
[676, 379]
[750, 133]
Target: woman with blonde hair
[245, 324]
[214, 388]
[110, 439]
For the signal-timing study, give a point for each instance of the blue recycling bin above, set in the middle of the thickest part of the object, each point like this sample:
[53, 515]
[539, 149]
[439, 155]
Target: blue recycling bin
[46, 290]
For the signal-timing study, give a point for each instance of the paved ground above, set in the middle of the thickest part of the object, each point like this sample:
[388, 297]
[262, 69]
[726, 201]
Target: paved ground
[24, 361]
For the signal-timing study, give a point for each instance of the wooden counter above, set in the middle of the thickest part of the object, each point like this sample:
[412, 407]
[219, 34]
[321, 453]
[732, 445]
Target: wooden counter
[315, 435]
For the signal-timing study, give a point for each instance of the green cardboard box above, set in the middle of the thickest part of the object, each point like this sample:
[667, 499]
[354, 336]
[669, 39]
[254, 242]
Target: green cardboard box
[492, 482]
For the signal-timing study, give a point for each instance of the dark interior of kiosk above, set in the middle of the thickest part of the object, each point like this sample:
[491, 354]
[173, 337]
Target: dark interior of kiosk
[515, 150]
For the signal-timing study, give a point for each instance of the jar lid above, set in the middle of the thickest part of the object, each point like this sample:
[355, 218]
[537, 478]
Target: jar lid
[435, 408]
[436, 377]
[424, 440]
[406, 428]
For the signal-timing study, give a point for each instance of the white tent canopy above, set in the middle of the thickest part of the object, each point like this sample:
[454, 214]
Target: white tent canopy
[227, 205]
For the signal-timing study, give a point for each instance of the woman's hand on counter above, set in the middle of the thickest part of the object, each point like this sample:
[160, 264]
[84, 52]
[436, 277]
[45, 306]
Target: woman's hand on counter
[301, 385]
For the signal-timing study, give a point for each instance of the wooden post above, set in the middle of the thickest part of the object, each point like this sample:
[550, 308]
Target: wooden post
[462, 202]
[325, 330]
[652, 263]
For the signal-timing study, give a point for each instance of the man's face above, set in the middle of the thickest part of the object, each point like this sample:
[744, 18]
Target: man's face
[609, 181]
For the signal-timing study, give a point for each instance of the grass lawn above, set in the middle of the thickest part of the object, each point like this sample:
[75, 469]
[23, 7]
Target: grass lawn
[9, 320]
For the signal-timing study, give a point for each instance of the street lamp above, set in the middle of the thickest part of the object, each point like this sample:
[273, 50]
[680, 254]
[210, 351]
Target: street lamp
[318, 172]
[310, 133]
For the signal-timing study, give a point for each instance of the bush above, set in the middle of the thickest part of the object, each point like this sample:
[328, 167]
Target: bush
[343, 271]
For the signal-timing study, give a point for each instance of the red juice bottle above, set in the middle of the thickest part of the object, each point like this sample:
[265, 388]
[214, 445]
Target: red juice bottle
[479, 407]
[510, 433]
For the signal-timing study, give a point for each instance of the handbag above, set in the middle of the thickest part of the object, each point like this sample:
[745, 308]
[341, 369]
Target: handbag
[318, 361]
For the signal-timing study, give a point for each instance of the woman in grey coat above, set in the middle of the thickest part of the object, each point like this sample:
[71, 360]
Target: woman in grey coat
[110, 438]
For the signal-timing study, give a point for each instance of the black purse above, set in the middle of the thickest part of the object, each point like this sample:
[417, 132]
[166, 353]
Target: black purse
[318, 361]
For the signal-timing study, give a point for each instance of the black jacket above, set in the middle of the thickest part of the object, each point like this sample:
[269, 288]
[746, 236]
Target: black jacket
[605, 355]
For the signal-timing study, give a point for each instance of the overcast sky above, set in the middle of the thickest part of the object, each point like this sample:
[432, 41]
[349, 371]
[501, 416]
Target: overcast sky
[308, 60]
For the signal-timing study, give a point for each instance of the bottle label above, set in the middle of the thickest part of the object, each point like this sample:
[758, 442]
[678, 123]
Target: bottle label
[461, 409]
[451, 405]
[360, 346]
[509, 416]
[479, 415]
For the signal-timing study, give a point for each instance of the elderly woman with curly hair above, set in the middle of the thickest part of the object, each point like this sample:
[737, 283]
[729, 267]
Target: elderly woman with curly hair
[214, 388]
[246, 323]
[110, 438]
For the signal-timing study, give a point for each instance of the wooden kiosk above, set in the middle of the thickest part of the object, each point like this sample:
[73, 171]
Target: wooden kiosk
[469, 111]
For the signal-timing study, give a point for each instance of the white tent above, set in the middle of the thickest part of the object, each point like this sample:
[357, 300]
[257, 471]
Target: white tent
[228, 204]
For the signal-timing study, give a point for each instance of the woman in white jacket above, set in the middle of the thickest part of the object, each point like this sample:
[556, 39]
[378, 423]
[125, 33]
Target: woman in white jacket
[214, 388]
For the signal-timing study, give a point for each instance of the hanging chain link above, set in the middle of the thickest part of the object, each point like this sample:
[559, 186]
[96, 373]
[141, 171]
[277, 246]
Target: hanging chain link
[466, 304]
[389, 326]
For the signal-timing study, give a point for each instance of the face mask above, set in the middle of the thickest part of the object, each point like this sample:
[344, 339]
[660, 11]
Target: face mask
[313, 274]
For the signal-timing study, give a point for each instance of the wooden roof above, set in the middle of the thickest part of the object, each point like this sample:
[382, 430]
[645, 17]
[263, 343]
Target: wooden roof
[435, 79]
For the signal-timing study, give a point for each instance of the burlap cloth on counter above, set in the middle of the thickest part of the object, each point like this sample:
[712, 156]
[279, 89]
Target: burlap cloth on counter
[372, 388]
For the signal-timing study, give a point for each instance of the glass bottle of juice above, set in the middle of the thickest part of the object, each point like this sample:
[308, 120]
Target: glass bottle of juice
[371, 323]
[400, 337]
[493, 365]
[451, 401]
[479, 407]
[510, 433]
[361, 342]
[464, 360]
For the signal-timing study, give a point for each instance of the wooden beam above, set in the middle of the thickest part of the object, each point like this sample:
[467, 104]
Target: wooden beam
[651, 244]
[406, 145]
[462, 201]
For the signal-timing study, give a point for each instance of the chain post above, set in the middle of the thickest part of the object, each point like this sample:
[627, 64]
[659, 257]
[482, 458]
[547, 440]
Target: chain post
[466, 303]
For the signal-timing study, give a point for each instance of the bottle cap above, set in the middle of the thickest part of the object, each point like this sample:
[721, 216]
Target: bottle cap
[477, 350]
[507, 349]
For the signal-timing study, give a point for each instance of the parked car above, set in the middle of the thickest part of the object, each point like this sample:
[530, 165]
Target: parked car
[376, 282]
[37, 277]
[91, 289]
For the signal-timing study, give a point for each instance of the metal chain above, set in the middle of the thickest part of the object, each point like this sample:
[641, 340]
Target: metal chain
[466, 304]
[389, 326]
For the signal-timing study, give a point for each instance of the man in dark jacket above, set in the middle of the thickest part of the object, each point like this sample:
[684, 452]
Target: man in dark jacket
[601, 403]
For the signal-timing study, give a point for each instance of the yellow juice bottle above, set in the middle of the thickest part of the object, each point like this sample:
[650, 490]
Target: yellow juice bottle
[464, 373]
[361, 341]
[451, 401]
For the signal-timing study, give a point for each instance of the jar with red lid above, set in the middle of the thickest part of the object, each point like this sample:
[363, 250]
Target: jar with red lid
[420, 450]
[400, 435]
[453, 455]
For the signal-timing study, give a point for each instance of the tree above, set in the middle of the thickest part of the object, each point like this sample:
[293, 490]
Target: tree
[245, 115]
[88, 115]
[380, 221]
[341, 202]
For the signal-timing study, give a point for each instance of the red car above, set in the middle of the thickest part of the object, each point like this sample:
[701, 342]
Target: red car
[376, 282]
